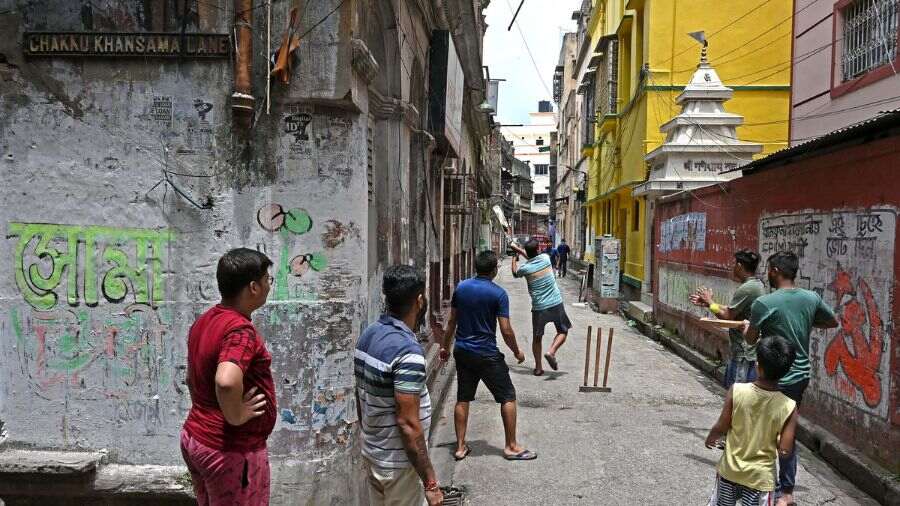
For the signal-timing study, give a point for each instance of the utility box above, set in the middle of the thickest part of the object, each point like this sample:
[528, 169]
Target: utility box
[606, 273]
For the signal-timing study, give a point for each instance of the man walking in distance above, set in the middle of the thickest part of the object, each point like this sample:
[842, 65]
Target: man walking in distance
[476, 307]
[563, 251]
[742, 366]
[790, 312]
[392, 399]
[229, 376]
[546, 302]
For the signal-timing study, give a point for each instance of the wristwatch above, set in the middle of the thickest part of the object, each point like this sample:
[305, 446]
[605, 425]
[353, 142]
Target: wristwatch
[431, 485]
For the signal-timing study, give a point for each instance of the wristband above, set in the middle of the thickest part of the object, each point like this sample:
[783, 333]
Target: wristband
[715, 308]
[431, 485]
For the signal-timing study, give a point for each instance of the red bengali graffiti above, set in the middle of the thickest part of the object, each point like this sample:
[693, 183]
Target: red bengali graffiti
[861, 365]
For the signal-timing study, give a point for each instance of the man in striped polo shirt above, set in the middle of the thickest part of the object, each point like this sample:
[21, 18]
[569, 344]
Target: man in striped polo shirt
[392, 399]
[546, 302]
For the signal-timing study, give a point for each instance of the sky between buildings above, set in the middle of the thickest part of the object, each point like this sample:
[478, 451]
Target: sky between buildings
[543, 23]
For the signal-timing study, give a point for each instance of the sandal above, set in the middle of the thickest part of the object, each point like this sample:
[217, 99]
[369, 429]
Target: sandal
[552, 361]
[522, 455]
[538, 373]
[465, 454]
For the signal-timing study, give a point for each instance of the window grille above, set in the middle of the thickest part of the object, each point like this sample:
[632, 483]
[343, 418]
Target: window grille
[869, 36]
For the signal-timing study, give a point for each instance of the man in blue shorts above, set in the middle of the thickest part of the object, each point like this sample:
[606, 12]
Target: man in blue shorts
[476, 307]
[546, 302]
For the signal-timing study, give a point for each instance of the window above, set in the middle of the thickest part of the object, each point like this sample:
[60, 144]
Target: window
[869, 36]
[540, 198]
[587, 136]
[541, 169]
[636, 221]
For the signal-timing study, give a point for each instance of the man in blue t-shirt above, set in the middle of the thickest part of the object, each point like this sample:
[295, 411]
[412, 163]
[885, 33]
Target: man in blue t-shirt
[476, 307]
[551, 252]
[563, 251]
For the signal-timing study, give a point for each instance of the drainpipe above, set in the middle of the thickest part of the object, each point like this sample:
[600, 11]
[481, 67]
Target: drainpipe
[242, 101]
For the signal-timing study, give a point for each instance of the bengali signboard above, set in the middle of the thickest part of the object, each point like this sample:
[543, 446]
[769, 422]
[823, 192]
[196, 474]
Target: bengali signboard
[847, 256]
[167, 45]
[446, 97]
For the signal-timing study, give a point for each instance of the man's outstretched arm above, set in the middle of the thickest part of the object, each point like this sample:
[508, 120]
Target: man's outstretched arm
[509, 336]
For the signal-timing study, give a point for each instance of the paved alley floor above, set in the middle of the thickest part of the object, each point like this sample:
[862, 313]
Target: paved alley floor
[640, 444]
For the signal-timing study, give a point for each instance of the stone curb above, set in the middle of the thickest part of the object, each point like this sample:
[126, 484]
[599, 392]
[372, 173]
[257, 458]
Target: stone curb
[869, 476]
[83, 476]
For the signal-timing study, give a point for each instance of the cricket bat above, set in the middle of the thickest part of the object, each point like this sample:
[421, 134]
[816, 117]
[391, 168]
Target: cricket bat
[728, 324]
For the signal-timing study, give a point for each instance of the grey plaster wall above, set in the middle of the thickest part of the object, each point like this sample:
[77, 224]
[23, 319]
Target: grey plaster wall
[105, 263]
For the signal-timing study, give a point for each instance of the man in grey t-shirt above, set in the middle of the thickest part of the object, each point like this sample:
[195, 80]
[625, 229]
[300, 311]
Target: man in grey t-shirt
[742, 366]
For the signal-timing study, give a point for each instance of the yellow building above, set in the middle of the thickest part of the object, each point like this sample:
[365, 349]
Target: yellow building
[643, 58]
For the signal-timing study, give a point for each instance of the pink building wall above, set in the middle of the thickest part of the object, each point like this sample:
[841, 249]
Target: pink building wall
[820, 102]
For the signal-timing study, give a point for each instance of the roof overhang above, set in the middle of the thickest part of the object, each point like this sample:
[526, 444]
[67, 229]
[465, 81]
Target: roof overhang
[669, 149]
[662, 187]
[713, 120]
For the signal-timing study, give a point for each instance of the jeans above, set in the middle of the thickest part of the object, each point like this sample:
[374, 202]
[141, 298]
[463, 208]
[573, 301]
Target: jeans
[787, 466]
[739, 370]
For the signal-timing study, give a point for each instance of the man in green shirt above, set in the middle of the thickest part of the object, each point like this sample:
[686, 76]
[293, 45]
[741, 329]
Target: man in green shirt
[792, 313]
[742, 366]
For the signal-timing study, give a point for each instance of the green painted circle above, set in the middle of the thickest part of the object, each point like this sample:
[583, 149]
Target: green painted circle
[298, 221]
[317, 261]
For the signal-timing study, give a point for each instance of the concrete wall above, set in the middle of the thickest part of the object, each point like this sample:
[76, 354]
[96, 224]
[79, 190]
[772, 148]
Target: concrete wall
[108, 262]
[838, 212]
[818, 105]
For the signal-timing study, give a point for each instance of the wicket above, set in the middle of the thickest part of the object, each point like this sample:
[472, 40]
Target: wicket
[587, 363]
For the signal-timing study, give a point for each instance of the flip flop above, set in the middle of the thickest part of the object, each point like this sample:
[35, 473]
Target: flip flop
[538, 373]
[523, 455]
[464, 455]
[552, 361]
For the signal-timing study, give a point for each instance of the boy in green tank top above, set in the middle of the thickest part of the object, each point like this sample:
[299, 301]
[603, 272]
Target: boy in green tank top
[758, 423]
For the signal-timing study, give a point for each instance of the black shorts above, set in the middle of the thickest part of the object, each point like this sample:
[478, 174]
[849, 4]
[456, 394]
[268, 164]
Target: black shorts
[556, 315]
[493, 371]
[795, 391]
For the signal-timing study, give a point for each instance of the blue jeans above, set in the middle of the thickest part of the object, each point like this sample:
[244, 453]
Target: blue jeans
[787, 466]
[739, 370]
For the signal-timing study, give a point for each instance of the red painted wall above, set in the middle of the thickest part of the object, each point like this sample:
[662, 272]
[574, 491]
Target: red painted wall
[839, 212]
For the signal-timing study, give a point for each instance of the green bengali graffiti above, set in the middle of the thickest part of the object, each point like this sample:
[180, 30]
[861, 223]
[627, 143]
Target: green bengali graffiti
[63, 251]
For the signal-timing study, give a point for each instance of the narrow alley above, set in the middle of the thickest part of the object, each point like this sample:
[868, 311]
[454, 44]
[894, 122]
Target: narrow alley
[642, 443]
[240, 225]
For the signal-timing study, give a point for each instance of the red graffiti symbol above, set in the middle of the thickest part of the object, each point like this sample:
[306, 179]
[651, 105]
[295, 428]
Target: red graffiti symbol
[41, 332]
[862, 364]
[111, 342]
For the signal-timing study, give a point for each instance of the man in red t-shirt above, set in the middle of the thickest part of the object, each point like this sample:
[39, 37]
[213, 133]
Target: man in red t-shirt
[229, 374]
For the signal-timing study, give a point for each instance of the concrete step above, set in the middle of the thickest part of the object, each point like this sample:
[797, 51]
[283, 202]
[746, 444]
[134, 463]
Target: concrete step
[85, 478]
[639, 311]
